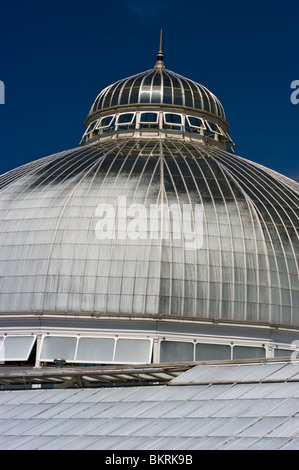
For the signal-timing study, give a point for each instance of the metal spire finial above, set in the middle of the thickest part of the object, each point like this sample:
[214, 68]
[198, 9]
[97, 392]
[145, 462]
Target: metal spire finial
[160, 55]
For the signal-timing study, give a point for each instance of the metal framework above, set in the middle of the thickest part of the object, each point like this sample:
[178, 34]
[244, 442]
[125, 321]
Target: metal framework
[245, 270]
[149, 374]
[66, 377]
[153, 140]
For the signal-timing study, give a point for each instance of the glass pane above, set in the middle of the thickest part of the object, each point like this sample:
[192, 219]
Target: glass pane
[133, 350]
[124, 95]
[176, 351]
[16, 348]
[149, 117]
[178, 99]
[156, 95]
[247, 352]
[173, 118]
[167, 95]
[54, 347]
[196, 122]
[282, 352]
[91, 127]
[134, 94]
[206, 352]
[213, 127]
[145, 96]
[125, 117]
[95, 350]
[106, 121]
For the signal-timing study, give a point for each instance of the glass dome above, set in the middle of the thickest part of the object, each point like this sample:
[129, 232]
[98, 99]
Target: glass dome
[158, 86]
[158, 99]
[151, 237]
[245, 268]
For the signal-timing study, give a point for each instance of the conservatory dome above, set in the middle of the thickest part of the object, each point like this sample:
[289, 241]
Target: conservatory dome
[150, 242]
[159, 99]
[158, 86]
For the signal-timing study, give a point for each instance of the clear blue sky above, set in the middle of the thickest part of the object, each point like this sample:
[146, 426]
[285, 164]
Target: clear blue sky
[55, 57]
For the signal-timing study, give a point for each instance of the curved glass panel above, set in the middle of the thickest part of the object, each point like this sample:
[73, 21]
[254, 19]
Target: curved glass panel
[235, 259]
[158, 86]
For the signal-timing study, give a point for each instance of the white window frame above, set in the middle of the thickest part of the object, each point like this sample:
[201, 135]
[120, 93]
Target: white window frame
[192, 125]
[107, 125]
[212, 130]
[75, 360]
[40, 358]
[149, 122]
[24, 358]
[177, 340]
[94, 127]
[174, 124]
[250, 345]
[228, 137]
[129, 123]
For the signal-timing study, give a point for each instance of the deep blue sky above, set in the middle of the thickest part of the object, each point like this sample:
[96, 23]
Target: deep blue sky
[55, 57]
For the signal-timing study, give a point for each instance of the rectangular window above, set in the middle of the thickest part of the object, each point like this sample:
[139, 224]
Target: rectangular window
[127, 118]
[173, 118]
[195, 122]
[91, 127]
[106, 121]
[210, 352]
[214, 128]
[176, 351]
[16, 348]
[283, 352]
[96, 350]
[126, 121]
[133, 351]
[58, 347]
[172, 121]
[248, 352]
[149, 120]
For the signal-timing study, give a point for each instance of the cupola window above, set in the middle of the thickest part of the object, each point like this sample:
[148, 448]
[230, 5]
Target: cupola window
[148, 120]
[172, 121]
[126, 121]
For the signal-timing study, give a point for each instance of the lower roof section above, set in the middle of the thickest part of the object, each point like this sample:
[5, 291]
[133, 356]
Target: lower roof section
[174, 373]
[215, 405]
